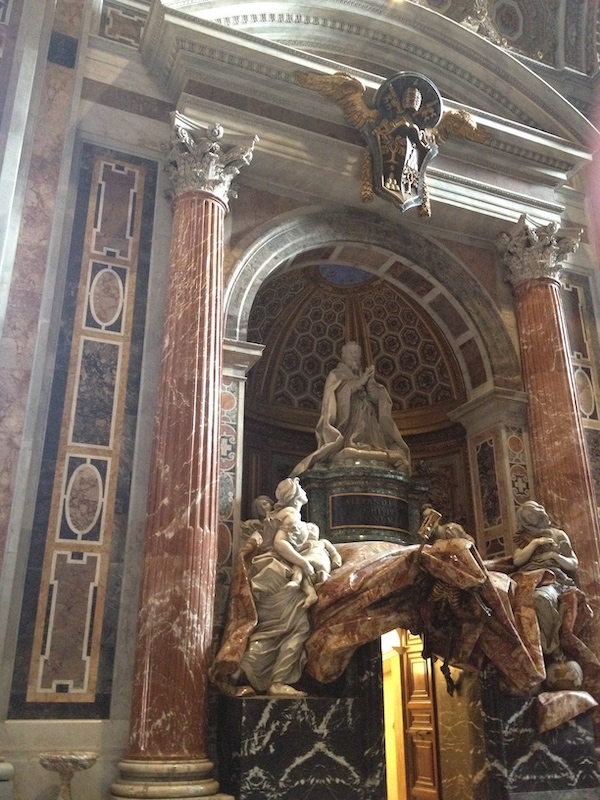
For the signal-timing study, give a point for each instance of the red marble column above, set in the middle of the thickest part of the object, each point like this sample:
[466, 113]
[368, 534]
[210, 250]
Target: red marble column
[179, 567]
[562, 474]
[169, 721]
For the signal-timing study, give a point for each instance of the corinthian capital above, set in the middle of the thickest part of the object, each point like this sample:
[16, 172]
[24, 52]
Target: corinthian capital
[536, 251]
[197, 159]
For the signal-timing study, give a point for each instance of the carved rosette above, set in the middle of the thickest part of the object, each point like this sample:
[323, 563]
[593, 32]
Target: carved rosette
[198, 160]
[536, 251]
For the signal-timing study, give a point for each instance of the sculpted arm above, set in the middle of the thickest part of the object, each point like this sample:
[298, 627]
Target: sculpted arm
[287, 551]
[523, 554]
[336, 559]
[563, 555]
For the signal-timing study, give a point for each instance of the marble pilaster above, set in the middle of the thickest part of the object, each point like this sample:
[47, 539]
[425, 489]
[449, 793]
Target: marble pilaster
[500, 462]
[533, 255]
[168, 740]
[238, 357]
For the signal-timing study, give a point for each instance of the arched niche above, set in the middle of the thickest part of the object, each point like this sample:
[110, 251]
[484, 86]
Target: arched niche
[283, 273]
[476, 322]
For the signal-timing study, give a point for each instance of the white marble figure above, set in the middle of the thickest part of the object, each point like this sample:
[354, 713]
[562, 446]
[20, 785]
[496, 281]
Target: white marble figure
[322, 556]
[356, 418]
[261, 508]
[275, 657]
[538, 545]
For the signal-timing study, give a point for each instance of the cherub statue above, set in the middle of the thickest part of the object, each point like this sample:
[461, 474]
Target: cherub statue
[278, 579]
[321, 554]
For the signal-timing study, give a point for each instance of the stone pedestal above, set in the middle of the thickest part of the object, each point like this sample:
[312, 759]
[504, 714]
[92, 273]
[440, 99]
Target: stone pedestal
[523, 764]
[312, 748]
[363, 501]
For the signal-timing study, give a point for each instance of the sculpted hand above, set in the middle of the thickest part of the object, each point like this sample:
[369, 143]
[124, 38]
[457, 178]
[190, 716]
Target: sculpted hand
[308, 569]
[544, 540]
[367, 374]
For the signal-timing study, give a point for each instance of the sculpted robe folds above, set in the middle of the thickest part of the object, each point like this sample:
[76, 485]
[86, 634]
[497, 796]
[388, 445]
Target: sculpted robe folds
[356, 421]
[379, 587]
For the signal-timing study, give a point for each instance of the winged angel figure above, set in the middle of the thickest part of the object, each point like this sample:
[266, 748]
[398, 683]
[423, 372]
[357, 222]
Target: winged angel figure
[402, 129]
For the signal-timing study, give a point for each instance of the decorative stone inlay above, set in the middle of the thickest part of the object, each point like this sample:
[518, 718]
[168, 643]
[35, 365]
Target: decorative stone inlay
[200, 162]
[67, 764]
[536, 251]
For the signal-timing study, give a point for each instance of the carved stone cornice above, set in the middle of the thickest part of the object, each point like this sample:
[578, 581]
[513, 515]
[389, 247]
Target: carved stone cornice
[536, 251]
[196, 159]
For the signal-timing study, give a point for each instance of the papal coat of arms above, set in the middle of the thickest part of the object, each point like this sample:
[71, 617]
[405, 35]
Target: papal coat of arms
[402, 129]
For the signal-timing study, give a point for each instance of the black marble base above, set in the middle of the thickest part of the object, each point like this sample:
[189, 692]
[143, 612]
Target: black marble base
[523, 764]
[314, 748]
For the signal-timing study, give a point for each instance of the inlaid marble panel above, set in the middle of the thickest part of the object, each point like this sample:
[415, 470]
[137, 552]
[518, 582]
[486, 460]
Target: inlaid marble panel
[516, 448]
[68, 629]
[579, 318]
[122, 24]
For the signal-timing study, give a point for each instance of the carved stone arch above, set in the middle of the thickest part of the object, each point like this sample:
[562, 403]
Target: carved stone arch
[277, 245]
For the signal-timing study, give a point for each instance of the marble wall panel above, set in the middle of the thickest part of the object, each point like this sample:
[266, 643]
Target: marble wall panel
[68, 629]
[121, 24]
[501, 482]
[230, 447]
[592, 438]
[28, 273]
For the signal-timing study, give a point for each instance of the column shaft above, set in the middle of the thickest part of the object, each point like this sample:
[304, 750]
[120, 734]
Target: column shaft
[560, 464]
[169, 719]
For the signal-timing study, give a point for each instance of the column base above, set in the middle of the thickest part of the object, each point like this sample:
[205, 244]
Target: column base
[166, 780]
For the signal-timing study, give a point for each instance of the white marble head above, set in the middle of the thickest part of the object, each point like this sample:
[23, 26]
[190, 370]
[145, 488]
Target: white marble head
[289, 492]
[352, 355]
[533, 516]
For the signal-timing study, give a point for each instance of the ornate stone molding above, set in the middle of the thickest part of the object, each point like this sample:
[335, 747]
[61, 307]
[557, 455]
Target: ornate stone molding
[262, 34]
[196, 159]
[536, 251]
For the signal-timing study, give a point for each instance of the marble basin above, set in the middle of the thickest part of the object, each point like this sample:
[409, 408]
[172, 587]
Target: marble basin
[66, 763]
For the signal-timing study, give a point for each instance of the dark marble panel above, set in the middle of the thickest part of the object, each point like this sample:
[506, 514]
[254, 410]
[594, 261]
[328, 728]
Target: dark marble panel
[382, 502]
[522, 763]
[62, 49]
[96, 393]
[317, 748]
[488, 483]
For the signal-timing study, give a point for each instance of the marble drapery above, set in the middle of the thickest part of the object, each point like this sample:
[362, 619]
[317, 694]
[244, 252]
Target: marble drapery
[382, 586]
[168, 731]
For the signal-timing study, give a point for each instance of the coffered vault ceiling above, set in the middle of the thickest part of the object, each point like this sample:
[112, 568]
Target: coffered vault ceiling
[304, 316]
